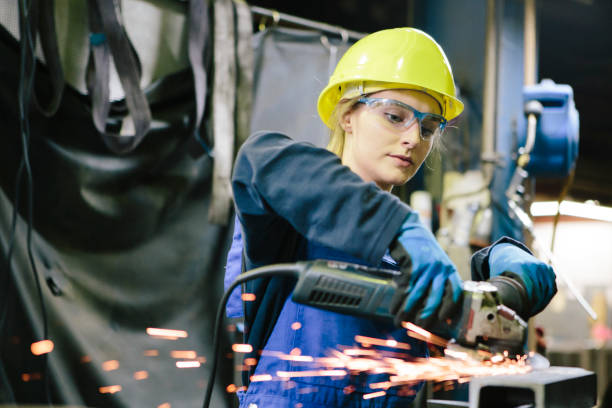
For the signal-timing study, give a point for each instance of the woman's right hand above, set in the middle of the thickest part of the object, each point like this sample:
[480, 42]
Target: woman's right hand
[429, 288]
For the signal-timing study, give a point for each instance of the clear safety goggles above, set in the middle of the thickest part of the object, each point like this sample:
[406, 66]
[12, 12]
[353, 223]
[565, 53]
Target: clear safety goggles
[399, 116]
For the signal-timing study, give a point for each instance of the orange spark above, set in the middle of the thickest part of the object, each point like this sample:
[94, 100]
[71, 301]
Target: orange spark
[166, 333]
[498, 358]
[151, 353]
[360, 352]
[312, 373]
[109, 389]
[248, 297]
[201, 359]
[242, 348]
[290, 357]
[374, 394]
[25, 377]
[381, 342]
[422, 334]
[41, 347]
[296, 352]
[85, 359]
[35, 376]
[250, 361]
[164, 405]
[141, 375]
[261, 377]
[110, 365]
[296, 325]
[187, 364]
[185, 354]
[231, 388]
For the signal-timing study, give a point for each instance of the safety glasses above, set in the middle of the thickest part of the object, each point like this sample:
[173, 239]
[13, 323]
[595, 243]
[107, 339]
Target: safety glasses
[399, 116]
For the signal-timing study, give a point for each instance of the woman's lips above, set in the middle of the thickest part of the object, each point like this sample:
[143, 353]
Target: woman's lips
[401, 160]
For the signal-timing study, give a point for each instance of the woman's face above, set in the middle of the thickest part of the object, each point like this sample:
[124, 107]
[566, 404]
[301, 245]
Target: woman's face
[376, 148]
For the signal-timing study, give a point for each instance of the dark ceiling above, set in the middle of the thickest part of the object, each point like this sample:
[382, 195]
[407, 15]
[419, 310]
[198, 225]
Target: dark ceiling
[575, 48]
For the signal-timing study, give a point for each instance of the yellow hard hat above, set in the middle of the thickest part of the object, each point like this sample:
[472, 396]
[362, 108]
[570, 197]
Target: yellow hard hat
[404, 58]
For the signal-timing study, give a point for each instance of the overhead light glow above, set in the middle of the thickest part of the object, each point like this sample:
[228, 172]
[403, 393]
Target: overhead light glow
[571, 208]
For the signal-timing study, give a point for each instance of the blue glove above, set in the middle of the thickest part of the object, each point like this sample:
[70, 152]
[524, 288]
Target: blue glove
[537, 277]
[429, 288]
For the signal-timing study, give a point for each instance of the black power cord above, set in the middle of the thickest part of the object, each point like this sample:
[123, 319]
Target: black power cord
[291, 270]
[27, 69]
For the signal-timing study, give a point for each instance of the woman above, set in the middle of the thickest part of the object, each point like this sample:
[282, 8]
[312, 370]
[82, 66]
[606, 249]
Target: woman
[387, 104]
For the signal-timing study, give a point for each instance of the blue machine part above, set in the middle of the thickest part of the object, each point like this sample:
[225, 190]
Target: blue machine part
[556, 145]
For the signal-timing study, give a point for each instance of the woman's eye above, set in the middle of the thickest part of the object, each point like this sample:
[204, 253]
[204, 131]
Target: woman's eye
[426, 133]
[393, 118]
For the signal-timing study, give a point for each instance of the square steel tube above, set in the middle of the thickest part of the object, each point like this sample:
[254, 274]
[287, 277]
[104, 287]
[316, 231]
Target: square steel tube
[553, 387]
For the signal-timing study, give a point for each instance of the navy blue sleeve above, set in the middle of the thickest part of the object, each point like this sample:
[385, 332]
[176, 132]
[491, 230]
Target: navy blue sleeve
[279, 183]
[480, 259]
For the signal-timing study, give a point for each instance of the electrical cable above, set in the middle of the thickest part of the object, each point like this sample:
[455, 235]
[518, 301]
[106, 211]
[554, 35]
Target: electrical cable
[27, 69]
[273, 270]
[568, 183]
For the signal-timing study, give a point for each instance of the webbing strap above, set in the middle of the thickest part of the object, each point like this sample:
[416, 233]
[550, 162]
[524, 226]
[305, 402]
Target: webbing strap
[40, 19]
[246, 69]
[223, 109]
[108, 34]
[98, 71]
[198, 37]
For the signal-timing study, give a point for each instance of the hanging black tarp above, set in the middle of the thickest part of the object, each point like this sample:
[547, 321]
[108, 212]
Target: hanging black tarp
[124, 243]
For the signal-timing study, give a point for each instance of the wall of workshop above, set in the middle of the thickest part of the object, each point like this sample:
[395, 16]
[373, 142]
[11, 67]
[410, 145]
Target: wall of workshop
[465, 47]
[583, 252]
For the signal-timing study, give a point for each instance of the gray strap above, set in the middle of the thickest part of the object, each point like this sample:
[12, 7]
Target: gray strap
[50, 48]
[114, 37]
[41, 20]
[224, 98]
[246, 65]
[98, 70]
[198, 36]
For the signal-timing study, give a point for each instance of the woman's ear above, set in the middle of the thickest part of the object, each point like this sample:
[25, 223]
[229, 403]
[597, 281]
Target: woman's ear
[346, 121]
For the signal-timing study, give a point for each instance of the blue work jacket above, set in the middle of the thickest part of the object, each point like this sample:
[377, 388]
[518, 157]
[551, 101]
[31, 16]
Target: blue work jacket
[295, 201]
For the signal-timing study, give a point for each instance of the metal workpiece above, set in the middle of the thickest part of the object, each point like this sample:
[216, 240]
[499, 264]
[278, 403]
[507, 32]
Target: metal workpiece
[484, 320]
[553, 387]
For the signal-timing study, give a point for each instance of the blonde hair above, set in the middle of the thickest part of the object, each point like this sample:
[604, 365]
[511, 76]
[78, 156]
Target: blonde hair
[336, 132]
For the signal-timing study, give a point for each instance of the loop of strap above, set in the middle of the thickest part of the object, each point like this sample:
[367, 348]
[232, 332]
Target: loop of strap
[104, 19]
[39, 18]
[109, 44]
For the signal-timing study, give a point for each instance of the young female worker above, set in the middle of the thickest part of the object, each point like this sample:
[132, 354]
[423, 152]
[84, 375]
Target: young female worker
[387, 104]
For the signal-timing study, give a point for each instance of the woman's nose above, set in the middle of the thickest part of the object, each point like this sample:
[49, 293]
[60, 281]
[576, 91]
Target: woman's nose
[411, 136]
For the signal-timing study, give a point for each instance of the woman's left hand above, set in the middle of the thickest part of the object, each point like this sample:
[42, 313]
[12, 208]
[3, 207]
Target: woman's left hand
[537, 277]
